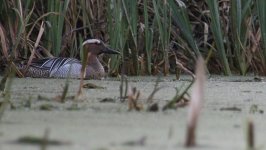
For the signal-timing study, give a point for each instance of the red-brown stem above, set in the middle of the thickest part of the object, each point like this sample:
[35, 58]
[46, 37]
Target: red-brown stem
[250, 135]
[190, 137]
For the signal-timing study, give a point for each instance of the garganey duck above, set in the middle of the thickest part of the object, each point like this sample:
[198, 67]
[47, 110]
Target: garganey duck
[59, 67]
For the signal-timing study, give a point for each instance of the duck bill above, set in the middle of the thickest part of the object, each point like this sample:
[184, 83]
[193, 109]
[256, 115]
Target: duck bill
[110, 51]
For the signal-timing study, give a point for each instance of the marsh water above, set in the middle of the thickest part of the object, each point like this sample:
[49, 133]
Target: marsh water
[100, 121]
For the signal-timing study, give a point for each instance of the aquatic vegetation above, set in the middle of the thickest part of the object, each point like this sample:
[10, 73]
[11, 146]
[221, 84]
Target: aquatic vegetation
[6, 83]
[155, 90]
[133, 97]
[153, 36]
[148, 33]
[123, 88]
[179, 99]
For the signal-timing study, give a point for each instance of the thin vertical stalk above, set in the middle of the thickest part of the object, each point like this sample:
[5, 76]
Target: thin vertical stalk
[163, 26]
[117, 31]
[239, 16]
[131, 16]
[148, 37]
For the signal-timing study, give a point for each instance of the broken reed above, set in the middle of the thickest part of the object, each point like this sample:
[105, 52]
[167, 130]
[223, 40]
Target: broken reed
[142, 31]
[196, 103]
[250, 135]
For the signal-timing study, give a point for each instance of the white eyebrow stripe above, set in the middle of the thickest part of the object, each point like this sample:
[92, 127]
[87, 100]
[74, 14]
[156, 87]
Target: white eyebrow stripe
[90, 41]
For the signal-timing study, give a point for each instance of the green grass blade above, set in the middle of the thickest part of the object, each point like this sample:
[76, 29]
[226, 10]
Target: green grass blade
[117, 31]
[160, 10]
[131, 15]
[239, 14]
[218, 34]
[148, 37]
[57, 25]
[261, 10]
[180, 17]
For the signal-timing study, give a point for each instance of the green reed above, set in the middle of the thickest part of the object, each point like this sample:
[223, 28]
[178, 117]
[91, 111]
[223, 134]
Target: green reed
[56, 23]
[216, 28]
[261, 10]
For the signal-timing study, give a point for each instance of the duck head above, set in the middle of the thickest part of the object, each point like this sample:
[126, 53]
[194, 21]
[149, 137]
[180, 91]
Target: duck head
[96, 47]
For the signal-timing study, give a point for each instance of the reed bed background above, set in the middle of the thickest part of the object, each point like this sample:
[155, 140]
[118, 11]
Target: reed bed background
[150, 34]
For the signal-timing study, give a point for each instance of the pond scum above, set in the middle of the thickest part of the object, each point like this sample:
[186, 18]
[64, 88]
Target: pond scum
[153, 36]
[150, 34]
[195, 103]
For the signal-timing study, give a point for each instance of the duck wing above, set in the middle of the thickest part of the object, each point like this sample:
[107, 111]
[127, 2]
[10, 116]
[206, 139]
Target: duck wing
[47, 66]
[52, 64]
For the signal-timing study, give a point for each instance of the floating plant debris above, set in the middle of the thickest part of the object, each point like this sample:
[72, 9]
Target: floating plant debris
[92, 86]
[107, 100]
[138, 142]
[32, 140]
[230, 109]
